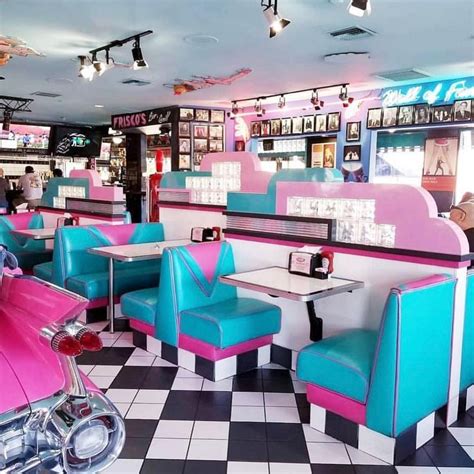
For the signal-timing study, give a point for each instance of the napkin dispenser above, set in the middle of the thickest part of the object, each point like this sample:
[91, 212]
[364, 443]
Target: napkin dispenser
[205, 234]
[67, 220]
[315, 263]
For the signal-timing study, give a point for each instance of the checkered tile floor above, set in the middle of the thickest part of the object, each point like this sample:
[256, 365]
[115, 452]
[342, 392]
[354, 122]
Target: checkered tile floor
[179, 423]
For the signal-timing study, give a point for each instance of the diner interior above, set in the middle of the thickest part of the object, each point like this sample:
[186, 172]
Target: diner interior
[237, 236]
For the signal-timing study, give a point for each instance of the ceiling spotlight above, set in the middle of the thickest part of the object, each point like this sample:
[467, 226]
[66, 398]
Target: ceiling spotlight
[344, 97]
[281, 102]
[258, 108]
[138, 61]
[317, 104]
[99, 66]
[86, 71]
[276, 23]
[359, 7]
[235, 108]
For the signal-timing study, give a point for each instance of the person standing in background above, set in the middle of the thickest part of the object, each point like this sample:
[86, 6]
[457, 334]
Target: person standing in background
[4, 187]
[32, 186]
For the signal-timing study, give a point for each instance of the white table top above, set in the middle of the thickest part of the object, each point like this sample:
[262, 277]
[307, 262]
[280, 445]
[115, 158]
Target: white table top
[277, 281]
[36, 234]
[136, 252]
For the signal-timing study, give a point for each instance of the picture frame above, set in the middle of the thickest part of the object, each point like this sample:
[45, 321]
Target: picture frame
[286, 126]
[353, 131]
[184, 162]
[462, 110]
[216, 145]
[255, 129]
[216, 132]
[197, 158]
[389, 116]
[406, 115]
[184, 129]
[321, 121]
[217, 116]
[297, 125]
[374, 118]
[202, 115]
[352, 153]
[334, 122]
[422, 114]
[265, 128]
[329, 155]
[201, 145]
[201, 131]
[186, 114]
[275, 127]
[308, 124]
[184, 145]
[239, 145]
[442, 114]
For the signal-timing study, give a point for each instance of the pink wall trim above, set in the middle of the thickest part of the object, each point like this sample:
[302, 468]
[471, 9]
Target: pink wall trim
[21, 221]
[206, 256]
[142, 327]
[219, 209]
[118, 234]
[336, 403]
[411, 209]
[210, 352]
[349, 251]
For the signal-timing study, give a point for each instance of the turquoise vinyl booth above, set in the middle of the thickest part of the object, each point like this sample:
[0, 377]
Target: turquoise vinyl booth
[75, 269]
[467, 361]
[202, 325]
[379, 390]
[29, 252]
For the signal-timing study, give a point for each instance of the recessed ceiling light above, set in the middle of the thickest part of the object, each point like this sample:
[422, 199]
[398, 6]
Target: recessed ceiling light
[201, 40]
[99, 106]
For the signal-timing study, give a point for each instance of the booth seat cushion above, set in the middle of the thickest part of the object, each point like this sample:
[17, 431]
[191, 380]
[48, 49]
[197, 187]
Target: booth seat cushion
[95, 285]
[341, 363]
[44, 271]
[140, 304]
[231, 321]
[27, 260]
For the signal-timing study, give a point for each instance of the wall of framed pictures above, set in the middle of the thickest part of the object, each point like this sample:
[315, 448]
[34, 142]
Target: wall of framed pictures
[200, 131]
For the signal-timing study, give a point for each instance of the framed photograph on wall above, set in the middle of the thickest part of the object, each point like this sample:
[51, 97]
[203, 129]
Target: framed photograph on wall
[422, 114]
[374, 118]
[197, 158]
[184, 162]
[186, 114]
[286, 126]
[462, 110]
[352, 153]
[255, 129]
[321, 123]
[275, 127]
[441, 114]
[202, 115]
[308, 124]
[389, 117]
[239, 145]
[201, 131]
[406, 115]
[334, 122]
[297, 125]
[184, 129]
[184, 145]
[217, 116]
[216, 145]
[200, 145]
[216, 132]
[353, 131]
[329, 155]
[265, 128]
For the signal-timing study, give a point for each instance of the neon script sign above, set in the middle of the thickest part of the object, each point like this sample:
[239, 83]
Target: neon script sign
[431, 93]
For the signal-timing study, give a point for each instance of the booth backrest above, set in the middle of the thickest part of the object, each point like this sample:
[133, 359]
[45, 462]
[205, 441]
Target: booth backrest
[26, 220]
[190, 279]
[467, 364]
[410, 373]
[71, 257]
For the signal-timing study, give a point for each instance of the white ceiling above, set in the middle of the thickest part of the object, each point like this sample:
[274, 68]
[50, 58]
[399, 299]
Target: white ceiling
[435, 36]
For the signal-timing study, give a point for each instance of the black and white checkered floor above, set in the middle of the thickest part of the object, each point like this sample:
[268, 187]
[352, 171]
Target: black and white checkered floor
[179, 423]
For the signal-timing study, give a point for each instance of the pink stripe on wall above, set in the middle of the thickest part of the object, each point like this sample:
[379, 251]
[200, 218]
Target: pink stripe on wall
[336, 403]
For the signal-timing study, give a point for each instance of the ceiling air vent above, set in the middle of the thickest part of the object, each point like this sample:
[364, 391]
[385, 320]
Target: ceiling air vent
[352, 33]
[46, 94]
[135, 82]
[402, 75]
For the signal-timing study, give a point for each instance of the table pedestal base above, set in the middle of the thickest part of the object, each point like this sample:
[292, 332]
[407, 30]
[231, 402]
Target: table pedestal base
[315, 323]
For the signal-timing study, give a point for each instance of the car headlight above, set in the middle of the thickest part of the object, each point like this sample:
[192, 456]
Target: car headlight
[90, 440]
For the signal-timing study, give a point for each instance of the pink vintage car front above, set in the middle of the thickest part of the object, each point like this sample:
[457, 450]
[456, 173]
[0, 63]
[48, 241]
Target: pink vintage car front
[52, 418]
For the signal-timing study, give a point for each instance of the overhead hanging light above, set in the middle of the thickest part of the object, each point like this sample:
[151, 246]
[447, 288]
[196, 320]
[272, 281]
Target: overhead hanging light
[317, 104]
[138, 61]
[359, 7]
[258, 108]
[344, 97]
[276, 23]
[99, 66]
[281, 102]
[86, 71]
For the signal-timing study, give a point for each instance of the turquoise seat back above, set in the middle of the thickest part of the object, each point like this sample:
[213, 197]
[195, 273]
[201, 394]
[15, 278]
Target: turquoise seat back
[26, 220]
[410, 372]
[71, 245]
[467, 364]
[190, 279]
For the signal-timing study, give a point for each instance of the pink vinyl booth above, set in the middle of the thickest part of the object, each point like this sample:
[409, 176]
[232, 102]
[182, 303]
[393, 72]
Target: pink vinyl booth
[379, 391]
[195, 321]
